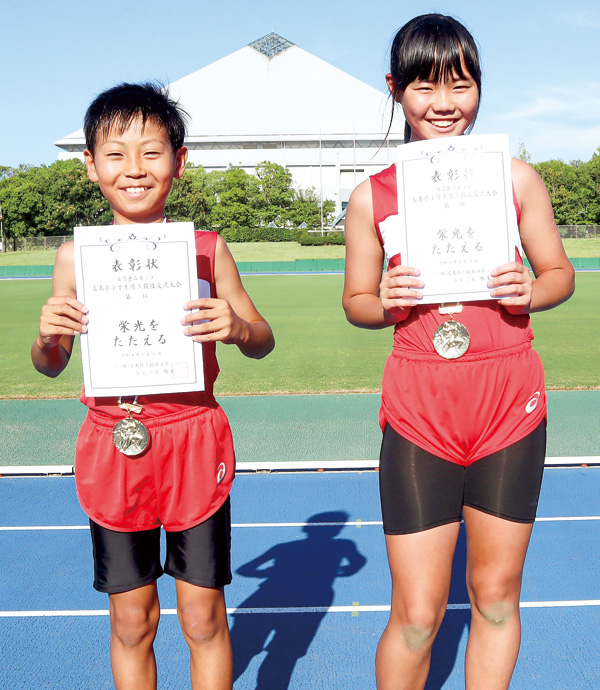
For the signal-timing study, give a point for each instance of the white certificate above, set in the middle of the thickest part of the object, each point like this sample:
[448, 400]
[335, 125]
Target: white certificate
[134, 280]
[456, 216]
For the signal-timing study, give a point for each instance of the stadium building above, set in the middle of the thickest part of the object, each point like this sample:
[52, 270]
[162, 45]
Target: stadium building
[288, 107]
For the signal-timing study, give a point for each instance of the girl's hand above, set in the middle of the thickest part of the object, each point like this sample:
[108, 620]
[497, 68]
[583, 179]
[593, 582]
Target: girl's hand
[513, 283]
[212, 320]
[61, 315]
[399, 290]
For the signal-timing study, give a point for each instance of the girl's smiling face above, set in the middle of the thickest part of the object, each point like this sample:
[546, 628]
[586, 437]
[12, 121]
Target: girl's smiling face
[439, 108]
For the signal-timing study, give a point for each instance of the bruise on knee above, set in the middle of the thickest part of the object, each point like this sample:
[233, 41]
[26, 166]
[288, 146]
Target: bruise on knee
[497, 614]
[416, 636]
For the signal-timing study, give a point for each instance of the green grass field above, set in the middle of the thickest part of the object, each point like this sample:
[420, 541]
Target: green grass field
[588, 248]
[280, 251]
[242, 251]
[317, 350]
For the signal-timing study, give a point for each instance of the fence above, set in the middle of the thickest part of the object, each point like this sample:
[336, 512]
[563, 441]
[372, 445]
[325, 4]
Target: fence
[33, 243]
[23, 244]
[579, 231]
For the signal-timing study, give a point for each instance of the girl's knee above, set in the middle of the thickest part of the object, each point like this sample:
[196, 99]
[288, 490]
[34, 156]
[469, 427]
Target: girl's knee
[497, 613]
[496, 599]
[417, 625]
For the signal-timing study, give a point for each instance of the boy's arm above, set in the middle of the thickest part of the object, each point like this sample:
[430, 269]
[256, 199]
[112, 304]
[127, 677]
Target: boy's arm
[62, 317]
[231, 317]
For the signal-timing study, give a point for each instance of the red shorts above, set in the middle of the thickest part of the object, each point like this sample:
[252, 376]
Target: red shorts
[182, 479]
[465, 409]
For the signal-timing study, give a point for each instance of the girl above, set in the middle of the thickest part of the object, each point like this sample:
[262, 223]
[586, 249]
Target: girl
[462, 437]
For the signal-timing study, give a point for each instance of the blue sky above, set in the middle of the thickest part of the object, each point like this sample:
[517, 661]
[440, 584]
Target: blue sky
[540, 59]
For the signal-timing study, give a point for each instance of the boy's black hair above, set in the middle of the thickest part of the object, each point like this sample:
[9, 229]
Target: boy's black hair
[118, 107]
[432, 47]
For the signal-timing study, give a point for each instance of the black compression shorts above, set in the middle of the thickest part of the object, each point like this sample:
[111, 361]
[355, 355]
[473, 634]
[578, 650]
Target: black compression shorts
[419, 491]
[200, 555]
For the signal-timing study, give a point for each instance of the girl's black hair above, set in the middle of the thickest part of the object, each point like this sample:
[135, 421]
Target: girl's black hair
[119, 106]
[432, 47]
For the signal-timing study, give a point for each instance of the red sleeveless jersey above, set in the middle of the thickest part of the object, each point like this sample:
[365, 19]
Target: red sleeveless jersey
[463, 409]
[185, 475]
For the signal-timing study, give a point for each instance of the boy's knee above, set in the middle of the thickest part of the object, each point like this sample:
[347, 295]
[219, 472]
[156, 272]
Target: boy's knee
[200, 624]
[134, 625]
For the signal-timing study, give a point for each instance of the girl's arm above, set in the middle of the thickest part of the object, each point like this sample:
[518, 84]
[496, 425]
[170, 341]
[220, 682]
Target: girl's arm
[62, 317]
[554, 275]
[370, 300]
[231, 317]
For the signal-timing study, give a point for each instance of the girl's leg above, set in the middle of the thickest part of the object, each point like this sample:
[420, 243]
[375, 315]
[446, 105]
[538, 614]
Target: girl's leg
[496, 551]
[421, 504]
[501, 497]
[203, 618]
[134, 619]
[421, 565]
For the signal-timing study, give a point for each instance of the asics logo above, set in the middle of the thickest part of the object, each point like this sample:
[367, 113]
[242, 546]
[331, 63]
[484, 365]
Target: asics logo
[532, 402]
[221, 472]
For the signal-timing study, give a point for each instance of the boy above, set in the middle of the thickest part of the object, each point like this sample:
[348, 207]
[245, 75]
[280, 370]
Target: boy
[134, 138]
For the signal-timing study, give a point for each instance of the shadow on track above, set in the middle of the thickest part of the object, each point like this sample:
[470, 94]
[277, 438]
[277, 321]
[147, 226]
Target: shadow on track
[298, 573]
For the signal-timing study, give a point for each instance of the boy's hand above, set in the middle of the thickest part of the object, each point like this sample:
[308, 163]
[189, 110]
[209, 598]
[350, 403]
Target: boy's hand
[399, 290]
[513, 283]
[212, 320]
[61, 315]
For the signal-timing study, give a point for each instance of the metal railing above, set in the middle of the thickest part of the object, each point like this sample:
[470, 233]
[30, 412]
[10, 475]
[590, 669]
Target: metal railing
[579, 231]
[24, 244]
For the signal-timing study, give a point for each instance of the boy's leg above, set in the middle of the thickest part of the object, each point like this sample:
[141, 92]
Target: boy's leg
[134, 619]
[199, 560]
[203, 618]
[126, 566]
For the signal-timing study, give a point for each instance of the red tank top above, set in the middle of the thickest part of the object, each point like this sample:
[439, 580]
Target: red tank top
[170, 403]
[490, 326]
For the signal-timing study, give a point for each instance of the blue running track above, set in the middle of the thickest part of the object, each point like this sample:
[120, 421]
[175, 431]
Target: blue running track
[308, 601]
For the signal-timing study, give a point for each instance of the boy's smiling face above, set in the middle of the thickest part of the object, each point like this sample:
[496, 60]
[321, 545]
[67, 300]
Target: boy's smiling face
[135, 170]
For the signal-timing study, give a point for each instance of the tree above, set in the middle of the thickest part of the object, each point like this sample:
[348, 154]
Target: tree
[273, 193]
[233, 189]
[573, 191]
[592, 172]
[51, 200]
[523, 153]
[192, 198]
[306, 208]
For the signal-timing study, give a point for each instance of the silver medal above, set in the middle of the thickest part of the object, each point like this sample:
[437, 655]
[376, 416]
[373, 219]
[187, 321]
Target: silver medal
[451, 340]
[130, 436]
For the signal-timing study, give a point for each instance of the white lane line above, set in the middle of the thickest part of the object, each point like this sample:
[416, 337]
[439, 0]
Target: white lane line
[36, 528]
[384, 608]
[566, 519]
[242, 525]
[281, 466]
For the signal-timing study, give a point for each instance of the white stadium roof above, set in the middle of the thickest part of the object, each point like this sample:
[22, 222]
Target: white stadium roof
[273, 90]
